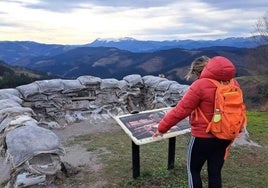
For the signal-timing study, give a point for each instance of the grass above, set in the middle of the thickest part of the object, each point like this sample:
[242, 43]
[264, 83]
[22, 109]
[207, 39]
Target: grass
[244, 80]
[255, 89]
[246, 166]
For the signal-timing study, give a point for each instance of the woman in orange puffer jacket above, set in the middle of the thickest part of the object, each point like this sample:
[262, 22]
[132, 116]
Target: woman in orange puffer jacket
[203, 147]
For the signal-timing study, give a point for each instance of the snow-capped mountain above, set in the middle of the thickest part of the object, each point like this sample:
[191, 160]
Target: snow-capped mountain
[134, 45]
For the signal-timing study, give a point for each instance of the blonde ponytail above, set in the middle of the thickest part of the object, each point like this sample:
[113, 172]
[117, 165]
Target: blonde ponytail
[197, 66]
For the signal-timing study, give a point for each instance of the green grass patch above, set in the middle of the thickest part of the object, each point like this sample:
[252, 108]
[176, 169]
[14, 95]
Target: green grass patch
[246, 166]
[258, 127]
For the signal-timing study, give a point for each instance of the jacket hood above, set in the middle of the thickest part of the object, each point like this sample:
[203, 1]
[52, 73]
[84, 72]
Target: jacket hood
[219, 68]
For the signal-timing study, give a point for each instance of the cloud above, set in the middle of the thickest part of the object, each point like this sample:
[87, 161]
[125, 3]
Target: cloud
[82, 21]
[133, 4]
[237, 4]
[55, 5]
[67, 6]
[8, 24]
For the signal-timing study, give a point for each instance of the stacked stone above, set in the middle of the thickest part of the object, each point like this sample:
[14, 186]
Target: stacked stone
[51, 98]
[26, 113]
[67, 101]
[32, 153]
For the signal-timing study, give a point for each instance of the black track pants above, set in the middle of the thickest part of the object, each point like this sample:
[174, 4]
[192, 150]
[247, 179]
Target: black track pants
[210, 150]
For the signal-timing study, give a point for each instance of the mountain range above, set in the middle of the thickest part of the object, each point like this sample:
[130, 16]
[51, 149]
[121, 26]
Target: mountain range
[109, 62]
[116, 59]
[134, 45]
[14, 51]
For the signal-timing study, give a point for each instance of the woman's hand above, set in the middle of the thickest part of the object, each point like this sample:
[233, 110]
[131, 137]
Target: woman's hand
[157, 133]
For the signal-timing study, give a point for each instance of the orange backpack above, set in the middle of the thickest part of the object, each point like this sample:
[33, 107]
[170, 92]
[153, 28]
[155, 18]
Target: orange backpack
[229, 116]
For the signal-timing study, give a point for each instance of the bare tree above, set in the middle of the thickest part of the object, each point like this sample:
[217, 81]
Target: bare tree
[261, 28]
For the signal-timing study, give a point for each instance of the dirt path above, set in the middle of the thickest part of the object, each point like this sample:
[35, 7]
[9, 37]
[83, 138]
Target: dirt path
[76, 155]
[86, 127]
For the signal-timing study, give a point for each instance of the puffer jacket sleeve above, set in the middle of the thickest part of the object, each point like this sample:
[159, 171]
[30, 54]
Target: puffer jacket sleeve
[183, 109]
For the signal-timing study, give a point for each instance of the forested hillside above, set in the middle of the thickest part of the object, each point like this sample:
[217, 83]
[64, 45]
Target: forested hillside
[11, 77]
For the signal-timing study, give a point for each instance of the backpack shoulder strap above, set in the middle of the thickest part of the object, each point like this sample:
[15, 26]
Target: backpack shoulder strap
[232, 81]
[216, 83]
[203, 115]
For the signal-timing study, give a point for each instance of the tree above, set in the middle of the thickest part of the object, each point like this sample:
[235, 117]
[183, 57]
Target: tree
[261, 28]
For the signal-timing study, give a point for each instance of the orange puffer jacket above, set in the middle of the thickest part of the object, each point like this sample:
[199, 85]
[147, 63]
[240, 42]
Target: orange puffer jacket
[200, 94]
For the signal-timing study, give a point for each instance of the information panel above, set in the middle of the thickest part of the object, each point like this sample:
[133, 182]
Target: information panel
[141, 126]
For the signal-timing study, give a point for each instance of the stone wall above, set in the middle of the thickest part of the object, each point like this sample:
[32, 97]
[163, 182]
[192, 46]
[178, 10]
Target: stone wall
[29, 112]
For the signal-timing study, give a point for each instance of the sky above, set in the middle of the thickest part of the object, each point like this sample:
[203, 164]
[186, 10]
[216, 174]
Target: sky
[83, 21]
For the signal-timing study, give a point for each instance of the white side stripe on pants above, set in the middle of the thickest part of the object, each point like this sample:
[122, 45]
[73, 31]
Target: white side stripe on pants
[190, 179]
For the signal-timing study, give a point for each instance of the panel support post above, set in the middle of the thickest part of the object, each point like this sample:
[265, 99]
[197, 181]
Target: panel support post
[171, 152]
[135, 160]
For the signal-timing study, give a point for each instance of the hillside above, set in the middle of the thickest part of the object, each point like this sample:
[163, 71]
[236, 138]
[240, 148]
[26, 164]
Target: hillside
[107, 62]
[255, 90]
[11, 77]
[11, 51]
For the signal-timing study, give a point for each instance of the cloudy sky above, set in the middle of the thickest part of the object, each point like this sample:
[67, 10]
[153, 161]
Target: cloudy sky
[83, 21]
